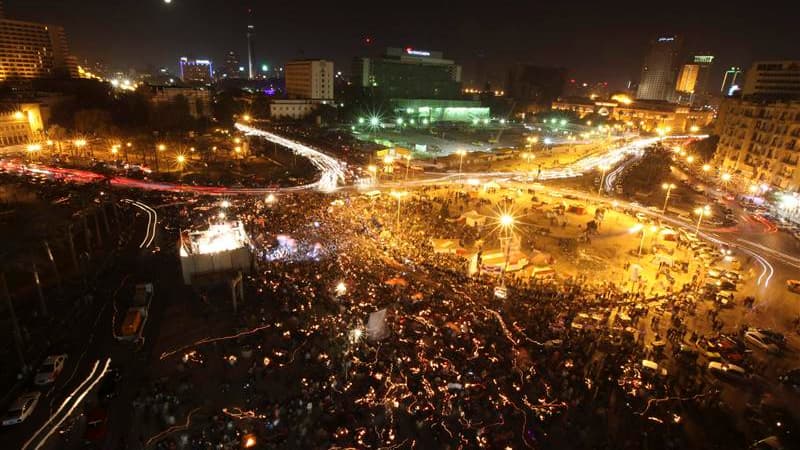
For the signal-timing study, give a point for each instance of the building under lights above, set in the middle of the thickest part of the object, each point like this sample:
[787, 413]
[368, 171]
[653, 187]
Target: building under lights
[223, 248]
[198, 98]
[20, 123]
[409, 74]
[196, 70]
[34, 50]
[759, 142]
[644, 115]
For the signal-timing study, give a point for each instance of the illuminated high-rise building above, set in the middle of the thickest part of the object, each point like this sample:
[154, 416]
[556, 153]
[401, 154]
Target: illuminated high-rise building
[773, 79]
[687, 78]
[659, 70]
[232, 67]
[309, 79]
[196, 70]
[34, 50]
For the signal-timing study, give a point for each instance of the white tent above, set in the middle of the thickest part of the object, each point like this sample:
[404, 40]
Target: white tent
[473, 218]
[376, 326]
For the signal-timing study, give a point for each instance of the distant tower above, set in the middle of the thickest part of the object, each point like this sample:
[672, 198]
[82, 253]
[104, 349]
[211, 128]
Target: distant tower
[251, 54]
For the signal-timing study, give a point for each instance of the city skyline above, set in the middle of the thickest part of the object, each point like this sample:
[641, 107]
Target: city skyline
[545, 35]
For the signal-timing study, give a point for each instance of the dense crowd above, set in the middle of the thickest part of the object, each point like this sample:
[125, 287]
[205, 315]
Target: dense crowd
[564, 363]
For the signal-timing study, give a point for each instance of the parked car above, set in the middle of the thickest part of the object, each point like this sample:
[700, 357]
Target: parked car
[793, 286]
[22, 408]
[50, 369]
[728, 371]
[760, 341]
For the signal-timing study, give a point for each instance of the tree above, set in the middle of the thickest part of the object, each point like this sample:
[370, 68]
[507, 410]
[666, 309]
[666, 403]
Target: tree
[93, 121]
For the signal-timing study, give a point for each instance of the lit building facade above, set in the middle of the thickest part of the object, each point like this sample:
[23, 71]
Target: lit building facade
[409, 73]
[199, 98]
[773, 78]
[309, 79]
[20, 123]
[196, 70]
[425, 111]
[34, 50]
[759, 142]
[659, 70]
[292, 109]
[647, 116]
[702, 94]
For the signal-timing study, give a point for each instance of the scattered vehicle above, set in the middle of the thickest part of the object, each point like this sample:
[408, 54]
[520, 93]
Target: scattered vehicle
[729, 371]
[22, 408]
[51, 367]
[760, 341]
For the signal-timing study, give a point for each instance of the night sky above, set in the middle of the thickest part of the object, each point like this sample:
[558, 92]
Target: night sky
[601, 41]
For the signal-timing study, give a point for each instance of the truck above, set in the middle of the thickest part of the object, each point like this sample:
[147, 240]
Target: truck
[132, 324]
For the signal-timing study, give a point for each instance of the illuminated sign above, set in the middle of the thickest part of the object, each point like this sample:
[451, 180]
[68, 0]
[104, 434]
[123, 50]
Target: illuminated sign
[704, 59]
[666, 39]
[413, 52]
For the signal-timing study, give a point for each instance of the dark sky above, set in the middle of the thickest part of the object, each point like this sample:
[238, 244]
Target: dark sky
[599, 40]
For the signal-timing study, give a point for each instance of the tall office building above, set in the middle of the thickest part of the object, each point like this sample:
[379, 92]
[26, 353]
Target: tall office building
[704, 63]
[196, 70]
[34, 50]
[773, 79]
[731, 80]
[687, 78]
[232, 67]
[409, 74]
[659, 70]
[309, 79]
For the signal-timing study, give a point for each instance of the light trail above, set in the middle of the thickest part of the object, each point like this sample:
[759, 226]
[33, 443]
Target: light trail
[81, 394]
[331, 170]
[173, 428]
[209, 340]
[152, 222]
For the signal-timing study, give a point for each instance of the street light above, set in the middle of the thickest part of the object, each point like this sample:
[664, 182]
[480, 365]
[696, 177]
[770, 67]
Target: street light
[506, 222]
[461, 154]
[690, 159]
[181, 160]
[270, 199]
[706, 167]
[604, 168]
[667, 187]
[399, 196]
[726, 177]
[373, 169]
[701, 212]
[408, 164]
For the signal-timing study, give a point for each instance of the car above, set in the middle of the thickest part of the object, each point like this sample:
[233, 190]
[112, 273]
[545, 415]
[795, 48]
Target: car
[96, 426]
[22, 408]
[793, 286]
[725, 370]
[50, 369]
[761, 341]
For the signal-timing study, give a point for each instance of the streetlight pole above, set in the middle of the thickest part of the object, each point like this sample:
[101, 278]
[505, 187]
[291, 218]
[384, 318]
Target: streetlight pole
[461, 154]
[668, 187]
[700, 213]
[604, 168]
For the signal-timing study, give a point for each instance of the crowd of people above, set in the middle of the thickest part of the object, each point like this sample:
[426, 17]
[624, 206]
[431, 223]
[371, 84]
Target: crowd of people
[567, 363]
